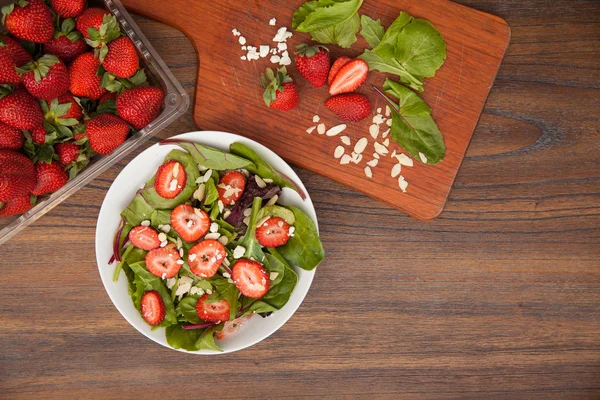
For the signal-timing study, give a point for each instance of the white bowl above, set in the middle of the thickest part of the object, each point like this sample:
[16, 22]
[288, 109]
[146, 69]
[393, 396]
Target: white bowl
[122, 191]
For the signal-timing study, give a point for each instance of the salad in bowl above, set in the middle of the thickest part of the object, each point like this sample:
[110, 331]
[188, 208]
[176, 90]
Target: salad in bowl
[206, 244]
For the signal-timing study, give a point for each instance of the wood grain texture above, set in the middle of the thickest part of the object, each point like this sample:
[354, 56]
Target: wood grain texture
[498, 298]
[229, 95]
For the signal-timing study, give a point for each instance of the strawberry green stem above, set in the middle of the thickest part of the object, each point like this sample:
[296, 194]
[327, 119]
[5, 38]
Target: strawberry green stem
[385, 98]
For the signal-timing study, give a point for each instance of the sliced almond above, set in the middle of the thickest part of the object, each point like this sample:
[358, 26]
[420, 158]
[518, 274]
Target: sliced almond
[385, 134]
[393, 154]
[336, 130]
[316, 119]
[356, 157]
[175, 170]
[346, 140]
[373, 163]
[321, 129]
[339, 151]
[261, 184]
[247, 212]
[396, 170]
[361, 145]
[271, 201]
[311, 129]
[376, 156]
[402, 183]
[389, 122]
[374, 131]
[404, 160]
[388, 111]
[423, 157]
[378, 119]
[368, 172]
[386, 142]
[381, 149]
[345, 159]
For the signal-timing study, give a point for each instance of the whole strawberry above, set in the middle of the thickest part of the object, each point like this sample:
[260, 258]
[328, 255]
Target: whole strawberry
[313, 63]
[349, 106]
[8, 71]
[68, 8]
[280, 90]
[46, 78]
[140, 105]
[15, 206]
[91, 18]
[38, 135]
[14, 50]
[108, 96]
[121, 59]
[29, 20]
[21, 110]
[10, 138]
[74, 112]
[17, 175]
[84, 81]
[106, 132]
[68, 152]
[67, 44]
[50, 177]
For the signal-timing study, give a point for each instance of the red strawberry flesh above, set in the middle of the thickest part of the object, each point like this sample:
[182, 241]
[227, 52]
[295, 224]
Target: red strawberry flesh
[163, 262]
[350, 77]
[251, 278]
[206, 257]
[273, 232]
[170, 179]
[152, 308]
[144, 237]
[217, 311]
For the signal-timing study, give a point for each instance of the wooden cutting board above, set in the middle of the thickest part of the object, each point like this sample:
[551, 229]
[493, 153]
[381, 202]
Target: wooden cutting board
[229, 95]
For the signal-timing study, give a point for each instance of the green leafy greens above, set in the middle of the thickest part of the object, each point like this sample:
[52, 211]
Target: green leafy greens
[413, 128]
[329, 21]
[411, 48]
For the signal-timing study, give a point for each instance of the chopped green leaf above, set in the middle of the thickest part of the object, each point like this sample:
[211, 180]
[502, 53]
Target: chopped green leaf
[371, 30]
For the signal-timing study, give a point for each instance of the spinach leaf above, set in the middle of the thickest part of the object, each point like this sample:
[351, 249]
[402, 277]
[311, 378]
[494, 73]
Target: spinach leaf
[137, 211]
[411, 48]
[192, 339]
[253, 248]
[371, 30]
[207, 339]
[413, 128]
[273, 264]
[321, 14]
[342, 34]
[131, 255]
[210, 192]
[146, 281]
[304, 249]
[263, 169]
[421, 48]
[211, 158]
[187, 308]
[279, 294]
[276, 211]
[259, 307]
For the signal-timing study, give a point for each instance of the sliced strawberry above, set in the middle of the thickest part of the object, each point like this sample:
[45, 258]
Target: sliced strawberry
[231, 328]
[189, 222]
[153, 308]
[170, 179]
[251, 278]
[163, 262]
[231, 186]
[335, 68]
[213, 312]
[349, 77]
[144, 237]
[274, 232]
[206, 257]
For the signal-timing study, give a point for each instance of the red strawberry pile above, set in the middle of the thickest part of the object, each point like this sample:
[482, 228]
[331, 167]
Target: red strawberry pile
[71, 87]
[343, 77]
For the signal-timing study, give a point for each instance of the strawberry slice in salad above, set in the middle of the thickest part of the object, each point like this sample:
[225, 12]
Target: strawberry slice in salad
[211, 246]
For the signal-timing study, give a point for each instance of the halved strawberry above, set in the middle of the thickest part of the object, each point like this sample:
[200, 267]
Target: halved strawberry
[144, 237]
[231, 328]
[189, 222]
[213, 312]
[230, 187]
[206, 257]
[274, 232]
[153, 308]
[163, 262]
[335, 68]
[251, 278]
[170, 179]
[349, 77]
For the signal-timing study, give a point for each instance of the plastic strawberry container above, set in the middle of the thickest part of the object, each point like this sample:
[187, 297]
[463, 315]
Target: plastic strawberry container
[176, 104]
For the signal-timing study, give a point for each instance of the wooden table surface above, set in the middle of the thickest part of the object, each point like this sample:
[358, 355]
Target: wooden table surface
[498, 298]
